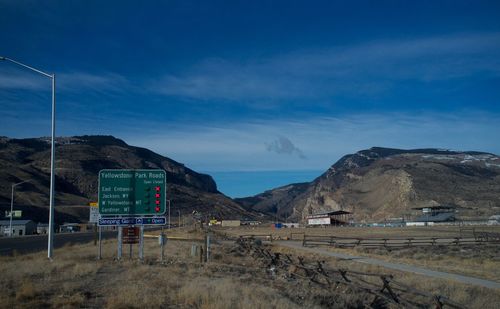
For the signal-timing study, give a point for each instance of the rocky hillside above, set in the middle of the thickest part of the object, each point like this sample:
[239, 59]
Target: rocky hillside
[78, 162]
[381, 183]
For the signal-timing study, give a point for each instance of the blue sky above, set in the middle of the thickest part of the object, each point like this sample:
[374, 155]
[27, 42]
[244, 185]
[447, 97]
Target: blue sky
[256, 86]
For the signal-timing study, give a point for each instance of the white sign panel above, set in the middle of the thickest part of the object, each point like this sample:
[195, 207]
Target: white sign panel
[319, 221]
[15, 214]
[94, 214]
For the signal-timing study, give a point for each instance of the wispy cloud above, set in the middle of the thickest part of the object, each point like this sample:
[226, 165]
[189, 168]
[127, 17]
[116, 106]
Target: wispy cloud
[99, 82]
[364, 69]
[74, 81]
[325, 139]
[14, 79]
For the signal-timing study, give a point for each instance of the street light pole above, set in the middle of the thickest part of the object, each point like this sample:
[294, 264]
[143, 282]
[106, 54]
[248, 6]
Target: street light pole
[50, 245]
[12, 204]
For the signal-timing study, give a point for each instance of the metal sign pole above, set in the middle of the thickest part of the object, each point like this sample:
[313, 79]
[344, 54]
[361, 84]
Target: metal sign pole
[141, 244]
[130, 245]
[99, 252]
[120, 233]
[95, 234]
[162, 257]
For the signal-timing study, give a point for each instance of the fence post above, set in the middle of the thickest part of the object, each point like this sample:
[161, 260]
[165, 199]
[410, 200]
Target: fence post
[439, 303]
[208, 247]
[304, 240]
[388, 288]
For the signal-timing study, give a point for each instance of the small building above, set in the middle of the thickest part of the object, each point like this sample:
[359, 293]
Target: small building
[250, 222]
[42, 228]
[230, 223]
[434, 215]
[338, 217]
[70, 228]
[19, 227]
[494, 220]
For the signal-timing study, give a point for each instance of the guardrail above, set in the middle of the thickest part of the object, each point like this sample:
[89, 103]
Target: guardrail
[383, 287]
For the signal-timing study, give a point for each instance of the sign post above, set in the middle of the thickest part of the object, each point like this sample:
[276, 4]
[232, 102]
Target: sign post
[131, 199]
[99, 253]
[120, 233]
[94, 218]
[141, 243]
[162, 239]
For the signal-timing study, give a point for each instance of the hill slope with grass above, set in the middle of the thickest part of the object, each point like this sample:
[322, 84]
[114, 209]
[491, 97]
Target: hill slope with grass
[78, 162]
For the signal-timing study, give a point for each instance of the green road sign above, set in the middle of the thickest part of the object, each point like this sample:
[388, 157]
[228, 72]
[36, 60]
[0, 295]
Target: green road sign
[132, 192]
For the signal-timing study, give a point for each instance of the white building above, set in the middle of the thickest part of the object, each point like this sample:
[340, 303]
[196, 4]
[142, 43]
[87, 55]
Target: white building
[494, 220]
[339, 217]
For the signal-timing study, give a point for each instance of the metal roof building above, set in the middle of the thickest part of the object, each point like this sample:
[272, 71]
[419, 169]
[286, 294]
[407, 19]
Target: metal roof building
[434, 214]
[19, 227]
[337, 217]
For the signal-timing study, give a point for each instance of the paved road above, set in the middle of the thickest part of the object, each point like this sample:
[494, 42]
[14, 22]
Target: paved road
[35, 243]
[396, 266]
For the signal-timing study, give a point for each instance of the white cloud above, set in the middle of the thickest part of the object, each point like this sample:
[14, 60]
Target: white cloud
[105, 81]
[325, 140]
[364, 69]
[14, 79]
[74, 81]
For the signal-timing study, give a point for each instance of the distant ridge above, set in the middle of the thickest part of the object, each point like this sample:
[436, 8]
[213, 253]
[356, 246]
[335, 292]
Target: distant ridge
[78, 161]
[381, 183]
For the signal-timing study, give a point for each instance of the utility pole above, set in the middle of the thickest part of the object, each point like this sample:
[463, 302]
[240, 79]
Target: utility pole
[50, 245]
[12, 204]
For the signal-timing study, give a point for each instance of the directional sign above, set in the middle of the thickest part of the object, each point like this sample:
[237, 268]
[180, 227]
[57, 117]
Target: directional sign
[93, 214]
[132, 221]
[132, 192]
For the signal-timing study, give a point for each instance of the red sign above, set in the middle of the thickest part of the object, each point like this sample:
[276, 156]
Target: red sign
[130, 235]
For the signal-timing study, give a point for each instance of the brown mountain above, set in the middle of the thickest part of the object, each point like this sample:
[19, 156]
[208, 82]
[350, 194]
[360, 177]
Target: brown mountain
[78, 162]
[381, 183]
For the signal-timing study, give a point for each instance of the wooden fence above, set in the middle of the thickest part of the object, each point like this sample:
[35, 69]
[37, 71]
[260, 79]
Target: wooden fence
[384, 288]
[466, 236]
[399, 242]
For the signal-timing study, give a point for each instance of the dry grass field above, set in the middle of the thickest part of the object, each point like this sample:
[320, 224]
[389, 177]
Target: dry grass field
[75, 279]
[478, 261]
[362, 232]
